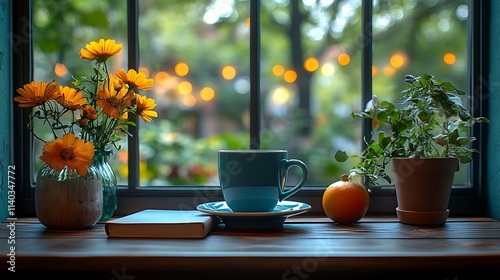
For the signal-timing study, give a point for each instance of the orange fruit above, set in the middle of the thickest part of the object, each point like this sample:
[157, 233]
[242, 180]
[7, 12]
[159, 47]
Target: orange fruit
[345, 202]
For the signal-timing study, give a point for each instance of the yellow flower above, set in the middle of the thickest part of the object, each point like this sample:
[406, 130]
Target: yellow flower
[144, 107]
[68, 151]
[100, 51]
[136, 81]
[71, 98]
[34, 94]
[112, 101]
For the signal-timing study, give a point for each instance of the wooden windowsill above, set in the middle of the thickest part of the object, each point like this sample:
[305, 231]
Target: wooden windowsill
[304, 248]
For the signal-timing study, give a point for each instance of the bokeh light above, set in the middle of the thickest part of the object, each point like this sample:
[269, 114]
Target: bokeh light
[328, 69]
[290, 76]
[181, 69]
[280, 96]
[185, 88]
[449, 58]
[278, 70]
[207, 93]
[398, 60]
[189, 100]
[60, 70]
[343, 59]
[228, 72]
[311, 64]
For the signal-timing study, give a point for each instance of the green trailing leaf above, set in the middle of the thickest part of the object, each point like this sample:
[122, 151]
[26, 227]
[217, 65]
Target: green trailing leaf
[341, 156]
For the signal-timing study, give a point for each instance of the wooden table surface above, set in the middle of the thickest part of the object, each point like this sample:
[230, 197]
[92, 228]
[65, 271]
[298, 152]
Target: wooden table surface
[304, 248]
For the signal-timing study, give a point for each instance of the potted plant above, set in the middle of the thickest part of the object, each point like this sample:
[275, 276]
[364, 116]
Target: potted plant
[423, 135]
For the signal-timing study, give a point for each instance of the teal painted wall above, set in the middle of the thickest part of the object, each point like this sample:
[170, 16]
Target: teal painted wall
[494, 126]
[5, 101]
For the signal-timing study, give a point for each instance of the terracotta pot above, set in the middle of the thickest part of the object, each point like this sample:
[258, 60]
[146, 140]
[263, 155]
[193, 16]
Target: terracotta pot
[423, 188]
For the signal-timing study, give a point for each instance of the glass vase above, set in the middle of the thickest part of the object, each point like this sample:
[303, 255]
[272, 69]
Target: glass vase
[109, 182]
[66, 200]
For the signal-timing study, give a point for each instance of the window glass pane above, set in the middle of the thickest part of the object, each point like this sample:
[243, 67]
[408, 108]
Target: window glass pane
[60, 31]
[198, 54]
[312, 82]
[420, 37]
[214, 35]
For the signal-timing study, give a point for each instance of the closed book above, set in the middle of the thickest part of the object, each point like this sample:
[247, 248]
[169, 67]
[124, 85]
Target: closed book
[161, 223]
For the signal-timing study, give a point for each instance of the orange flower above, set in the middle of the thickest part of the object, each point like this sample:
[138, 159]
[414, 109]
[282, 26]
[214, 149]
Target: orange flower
[119, 84]
[136, 81]
[89, 112]
[100, 51]
[34, 94]
[144, 107]
[71, 98]
[111, 101]
[68, 151]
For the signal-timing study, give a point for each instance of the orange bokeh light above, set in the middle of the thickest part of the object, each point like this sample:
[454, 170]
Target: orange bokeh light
[388, 70]
[60, 70]
[449, 58]
[189, 100]
[161, 77]
[185, 88]
[398, 60]
[181, 69]
[311, 64]
[343, 59]
[290, 76]
[278, 70]
[228, 72]
[207, 93]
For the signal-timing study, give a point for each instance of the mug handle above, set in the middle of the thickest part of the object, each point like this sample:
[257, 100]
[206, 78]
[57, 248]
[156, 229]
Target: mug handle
[286, 164]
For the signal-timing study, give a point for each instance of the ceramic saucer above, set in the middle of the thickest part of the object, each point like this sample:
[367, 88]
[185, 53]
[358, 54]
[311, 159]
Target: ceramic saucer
[254, 220]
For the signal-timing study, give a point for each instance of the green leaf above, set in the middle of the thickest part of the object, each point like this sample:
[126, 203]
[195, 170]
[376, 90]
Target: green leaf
[465, 159]
[447, 86]
[481, 120]
[424, 116]
[464, 116]
[455, 99]
[453, 137]
[462, 141]
[341, 156]
[131, 123]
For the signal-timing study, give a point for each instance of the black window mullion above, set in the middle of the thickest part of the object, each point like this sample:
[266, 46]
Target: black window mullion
[366, 65]
[478, 27]
[255, 74]
[133, 63]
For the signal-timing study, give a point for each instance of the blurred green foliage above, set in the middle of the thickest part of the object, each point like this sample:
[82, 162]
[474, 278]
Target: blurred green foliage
[180, 147]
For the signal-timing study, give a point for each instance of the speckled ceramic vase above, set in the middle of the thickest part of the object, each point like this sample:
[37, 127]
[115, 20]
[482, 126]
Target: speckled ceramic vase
[66, 200]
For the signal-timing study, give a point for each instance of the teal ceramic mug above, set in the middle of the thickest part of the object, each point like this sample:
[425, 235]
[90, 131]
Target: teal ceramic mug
[255, 180]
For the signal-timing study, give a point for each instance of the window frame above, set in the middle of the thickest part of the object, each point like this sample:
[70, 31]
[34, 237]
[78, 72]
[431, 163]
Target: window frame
[383, 200]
